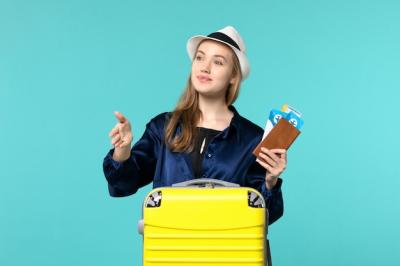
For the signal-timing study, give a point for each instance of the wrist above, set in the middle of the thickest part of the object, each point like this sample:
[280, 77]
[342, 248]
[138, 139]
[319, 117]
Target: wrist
[270, 181]
[122, 154]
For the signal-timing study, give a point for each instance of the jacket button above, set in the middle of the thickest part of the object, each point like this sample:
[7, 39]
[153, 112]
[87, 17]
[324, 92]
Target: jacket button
[209, 155]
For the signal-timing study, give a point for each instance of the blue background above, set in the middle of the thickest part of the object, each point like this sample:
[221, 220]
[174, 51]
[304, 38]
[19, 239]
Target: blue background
[65, 66]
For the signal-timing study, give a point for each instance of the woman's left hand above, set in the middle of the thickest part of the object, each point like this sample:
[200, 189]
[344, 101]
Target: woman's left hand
[274, 161]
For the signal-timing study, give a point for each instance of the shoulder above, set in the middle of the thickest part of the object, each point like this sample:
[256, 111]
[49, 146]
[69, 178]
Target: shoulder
[249, 128]
[160, 118]
[159, 121]
[155, 127]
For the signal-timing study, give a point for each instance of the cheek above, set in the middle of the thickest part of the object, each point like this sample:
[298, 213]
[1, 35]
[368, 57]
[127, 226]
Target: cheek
[193, 70]
[195, 66]
[224, 75]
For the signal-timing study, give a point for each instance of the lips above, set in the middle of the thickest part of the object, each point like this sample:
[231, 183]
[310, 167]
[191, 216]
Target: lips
[203, 78]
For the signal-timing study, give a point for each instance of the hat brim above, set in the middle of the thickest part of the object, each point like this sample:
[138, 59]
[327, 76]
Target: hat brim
[194, 42]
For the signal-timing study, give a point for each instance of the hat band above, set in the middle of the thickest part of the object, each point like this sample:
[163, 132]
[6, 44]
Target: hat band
[223, 37]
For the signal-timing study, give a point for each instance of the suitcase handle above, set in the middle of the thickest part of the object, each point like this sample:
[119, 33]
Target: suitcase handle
[205, 182]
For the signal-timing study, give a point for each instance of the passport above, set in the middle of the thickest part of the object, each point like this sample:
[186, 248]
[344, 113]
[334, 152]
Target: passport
[281, 131]
[281, 136]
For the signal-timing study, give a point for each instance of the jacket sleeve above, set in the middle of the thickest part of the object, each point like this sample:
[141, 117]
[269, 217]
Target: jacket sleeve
[255, 178]
[126, 178]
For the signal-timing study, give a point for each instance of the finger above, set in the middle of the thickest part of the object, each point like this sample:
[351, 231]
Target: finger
[122, 144]
[279, 151]
[117, 145]
[264, 164]
[267, 159]
[113, 131]
[116, 139]
[120, 117]
[283, 157]
[270, 154]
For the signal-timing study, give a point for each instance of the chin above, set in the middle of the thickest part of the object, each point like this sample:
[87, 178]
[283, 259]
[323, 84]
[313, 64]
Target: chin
[209, 93]
[199, 87]
[203, 91]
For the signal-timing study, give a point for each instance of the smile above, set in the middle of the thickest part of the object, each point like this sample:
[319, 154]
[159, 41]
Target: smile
[203, 79]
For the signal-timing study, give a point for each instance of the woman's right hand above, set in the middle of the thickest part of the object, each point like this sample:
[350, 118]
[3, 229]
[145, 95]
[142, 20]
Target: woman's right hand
[121, 137]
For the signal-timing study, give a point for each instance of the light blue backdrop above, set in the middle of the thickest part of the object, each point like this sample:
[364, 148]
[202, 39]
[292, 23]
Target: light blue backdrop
[65, 66]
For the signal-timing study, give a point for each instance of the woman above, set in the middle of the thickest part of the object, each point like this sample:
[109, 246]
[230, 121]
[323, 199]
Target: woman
[204, 136]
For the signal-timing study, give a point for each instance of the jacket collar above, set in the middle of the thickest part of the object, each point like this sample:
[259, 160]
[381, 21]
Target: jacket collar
[233, 128]
[234, 125]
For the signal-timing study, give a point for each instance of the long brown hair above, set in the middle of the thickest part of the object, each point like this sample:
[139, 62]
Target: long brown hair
[188, 113]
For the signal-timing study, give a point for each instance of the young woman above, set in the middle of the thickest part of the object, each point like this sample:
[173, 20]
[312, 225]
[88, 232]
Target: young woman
[204, 137]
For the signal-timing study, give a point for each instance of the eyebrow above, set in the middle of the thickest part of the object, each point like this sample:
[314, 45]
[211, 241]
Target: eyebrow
[216, 55]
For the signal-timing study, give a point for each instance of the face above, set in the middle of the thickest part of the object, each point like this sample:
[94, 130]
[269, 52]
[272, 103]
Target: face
[212, 68]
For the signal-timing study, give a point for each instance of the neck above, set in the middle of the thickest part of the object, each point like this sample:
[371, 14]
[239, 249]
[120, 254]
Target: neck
[215, 112]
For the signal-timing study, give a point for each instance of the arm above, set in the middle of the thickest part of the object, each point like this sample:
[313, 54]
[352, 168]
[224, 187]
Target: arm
[274, 163]
[256, 178]
[125, 177]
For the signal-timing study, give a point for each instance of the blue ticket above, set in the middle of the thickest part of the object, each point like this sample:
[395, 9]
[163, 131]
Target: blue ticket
[295, 120]
[275, 115]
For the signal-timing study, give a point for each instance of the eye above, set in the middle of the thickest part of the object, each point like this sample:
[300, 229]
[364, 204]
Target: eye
[198, 57]
[218, 62]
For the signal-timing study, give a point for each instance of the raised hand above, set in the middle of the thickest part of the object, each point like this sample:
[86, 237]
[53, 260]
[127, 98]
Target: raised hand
[121, 137]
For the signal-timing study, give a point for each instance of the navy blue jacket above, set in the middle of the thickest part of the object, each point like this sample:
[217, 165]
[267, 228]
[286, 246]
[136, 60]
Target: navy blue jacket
[228, 157]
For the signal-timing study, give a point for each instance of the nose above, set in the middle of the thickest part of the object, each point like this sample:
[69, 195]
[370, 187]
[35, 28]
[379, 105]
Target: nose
[205, 68]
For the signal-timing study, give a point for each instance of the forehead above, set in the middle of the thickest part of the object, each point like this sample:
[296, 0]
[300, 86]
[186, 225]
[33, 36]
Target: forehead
[215, 48]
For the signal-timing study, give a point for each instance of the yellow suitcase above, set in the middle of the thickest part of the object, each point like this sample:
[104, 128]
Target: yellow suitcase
[204, 222]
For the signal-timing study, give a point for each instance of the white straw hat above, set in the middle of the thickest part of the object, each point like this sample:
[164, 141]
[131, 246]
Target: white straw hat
[228, 36]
